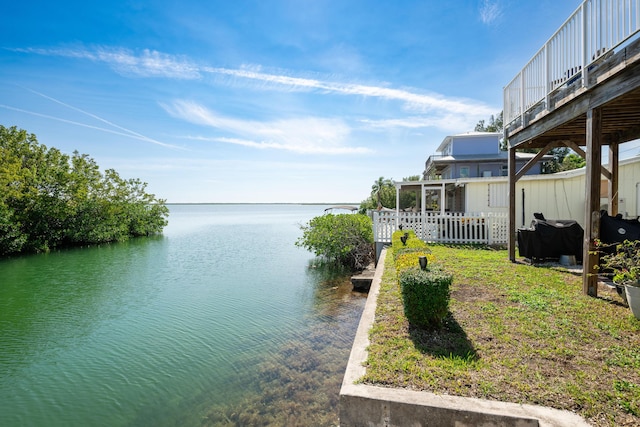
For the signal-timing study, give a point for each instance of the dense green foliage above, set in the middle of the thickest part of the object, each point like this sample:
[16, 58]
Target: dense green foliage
[425, 293]
[49, 199]
[623, 264]
[345, 238]
[496, 124]
[572, 161]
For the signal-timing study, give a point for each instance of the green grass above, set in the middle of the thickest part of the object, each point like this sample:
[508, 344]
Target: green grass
[516, 333]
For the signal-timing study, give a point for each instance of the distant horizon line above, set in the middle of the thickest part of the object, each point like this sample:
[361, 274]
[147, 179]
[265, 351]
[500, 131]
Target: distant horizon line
[261, 203]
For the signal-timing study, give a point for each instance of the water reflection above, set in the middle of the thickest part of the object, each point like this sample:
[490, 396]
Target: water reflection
[52, 300]
[178, 329]
[300, 384]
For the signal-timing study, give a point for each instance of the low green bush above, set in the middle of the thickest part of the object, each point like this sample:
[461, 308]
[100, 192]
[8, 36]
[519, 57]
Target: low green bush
[344, 238]
[425, 296]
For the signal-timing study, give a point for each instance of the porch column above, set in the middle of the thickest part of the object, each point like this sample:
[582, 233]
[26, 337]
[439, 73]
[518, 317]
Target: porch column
[423, 210]
[511, 240]
[592, 201]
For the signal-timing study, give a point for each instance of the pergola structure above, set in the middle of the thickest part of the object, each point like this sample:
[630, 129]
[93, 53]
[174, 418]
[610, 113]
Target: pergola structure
[592, 106]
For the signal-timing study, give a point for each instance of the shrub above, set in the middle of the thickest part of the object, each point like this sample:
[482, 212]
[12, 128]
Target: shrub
[623, 263]
[425, 296]
[345, 238]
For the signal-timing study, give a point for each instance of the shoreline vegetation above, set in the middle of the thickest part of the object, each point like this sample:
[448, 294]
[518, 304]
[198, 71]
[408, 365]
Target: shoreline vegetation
[515, 332]
[51, 200]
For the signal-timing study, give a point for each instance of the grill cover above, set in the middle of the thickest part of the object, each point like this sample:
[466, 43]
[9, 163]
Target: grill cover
[551, 238]
[614, 229]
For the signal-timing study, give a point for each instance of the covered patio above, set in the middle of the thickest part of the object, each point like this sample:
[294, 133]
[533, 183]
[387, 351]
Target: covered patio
[440, 216]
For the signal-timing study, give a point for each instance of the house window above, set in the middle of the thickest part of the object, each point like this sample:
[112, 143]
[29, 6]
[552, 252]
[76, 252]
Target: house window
[497, 195]
[464, 172]
[504, 170]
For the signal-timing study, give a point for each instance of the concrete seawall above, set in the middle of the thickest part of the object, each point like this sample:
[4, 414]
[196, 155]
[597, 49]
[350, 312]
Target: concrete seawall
[372, 406]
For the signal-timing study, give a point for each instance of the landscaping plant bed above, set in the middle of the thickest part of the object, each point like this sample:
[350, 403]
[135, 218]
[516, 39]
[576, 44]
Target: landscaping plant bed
[515, 333]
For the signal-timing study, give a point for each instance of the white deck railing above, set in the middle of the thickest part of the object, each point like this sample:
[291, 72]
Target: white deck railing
[592, 31]
[434, 227]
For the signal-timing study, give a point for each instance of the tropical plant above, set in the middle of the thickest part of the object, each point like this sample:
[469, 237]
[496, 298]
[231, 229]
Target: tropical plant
[377, 188]
[343, 238]
[383, 195]
[624, 263]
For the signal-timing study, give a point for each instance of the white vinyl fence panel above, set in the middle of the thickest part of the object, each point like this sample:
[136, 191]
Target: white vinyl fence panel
[434, 227]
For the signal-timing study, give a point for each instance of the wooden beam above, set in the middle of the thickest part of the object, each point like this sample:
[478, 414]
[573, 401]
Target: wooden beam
[511, 242]
[626, 135]
[576, 148]
[582, 154]
[613, 180]
[534, 160]
[592, 203]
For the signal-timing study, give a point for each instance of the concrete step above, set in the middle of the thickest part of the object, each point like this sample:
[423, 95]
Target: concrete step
[362, 281]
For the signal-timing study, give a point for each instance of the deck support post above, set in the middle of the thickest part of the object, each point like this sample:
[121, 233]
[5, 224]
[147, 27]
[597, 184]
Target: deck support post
[511, 240]
[613, 181]
[592, 201]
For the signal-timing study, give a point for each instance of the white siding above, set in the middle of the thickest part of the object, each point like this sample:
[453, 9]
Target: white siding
[498, 195]
[629, 190]
[556, 196]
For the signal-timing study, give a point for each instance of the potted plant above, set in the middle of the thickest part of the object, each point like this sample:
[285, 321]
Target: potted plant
[624, 265]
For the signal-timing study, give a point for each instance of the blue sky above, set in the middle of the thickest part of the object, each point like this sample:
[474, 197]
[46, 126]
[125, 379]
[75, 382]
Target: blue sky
[262, 101]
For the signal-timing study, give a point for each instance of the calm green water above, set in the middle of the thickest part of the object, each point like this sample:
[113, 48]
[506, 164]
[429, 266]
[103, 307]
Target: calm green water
[220, 321]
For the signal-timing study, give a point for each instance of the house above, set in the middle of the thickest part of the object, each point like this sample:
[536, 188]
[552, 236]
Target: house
[475, 210]
[471, 155]
[474, 155]
[558, 196]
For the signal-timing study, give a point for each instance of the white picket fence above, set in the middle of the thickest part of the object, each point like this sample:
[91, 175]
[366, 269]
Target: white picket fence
[434, 227]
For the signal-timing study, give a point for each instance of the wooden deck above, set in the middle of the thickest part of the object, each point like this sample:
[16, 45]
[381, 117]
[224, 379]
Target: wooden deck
[613, 85]
[595, 104]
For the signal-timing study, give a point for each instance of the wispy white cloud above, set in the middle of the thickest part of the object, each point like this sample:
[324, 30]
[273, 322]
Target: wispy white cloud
[490, 11]
[412, 100]
[147, 63]
[151, 63]
[447, 122]
[308, 135]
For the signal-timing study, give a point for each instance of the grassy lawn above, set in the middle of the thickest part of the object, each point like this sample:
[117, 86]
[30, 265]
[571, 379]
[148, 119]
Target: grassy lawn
[516, 333]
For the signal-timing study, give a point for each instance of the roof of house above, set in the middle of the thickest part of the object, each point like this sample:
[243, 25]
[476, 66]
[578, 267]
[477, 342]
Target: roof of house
[557, 175]
[449, 138]
[501, 156]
